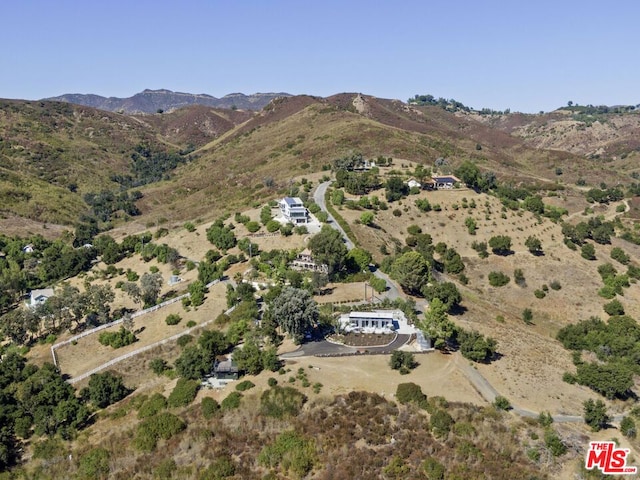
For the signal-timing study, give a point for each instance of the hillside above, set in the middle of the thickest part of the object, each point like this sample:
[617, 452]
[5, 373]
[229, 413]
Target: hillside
[150, 101]
[55, 153]
[596, 135]
[296, 135]
[52, 154]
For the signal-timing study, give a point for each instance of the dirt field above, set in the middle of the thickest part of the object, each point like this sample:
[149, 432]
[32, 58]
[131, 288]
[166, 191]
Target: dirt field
[437, 374]
[75, 359]
[342, 292]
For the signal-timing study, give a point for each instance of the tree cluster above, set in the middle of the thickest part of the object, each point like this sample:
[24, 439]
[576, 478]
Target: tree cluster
[616, 343]
[37, 401]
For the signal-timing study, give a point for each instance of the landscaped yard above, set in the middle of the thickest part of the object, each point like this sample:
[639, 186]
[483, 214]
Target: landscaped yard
[364, 339]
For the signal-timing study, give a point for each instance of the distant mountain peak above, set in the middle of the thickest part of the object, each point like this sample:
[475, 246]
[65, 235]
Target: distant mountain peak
[150, 100]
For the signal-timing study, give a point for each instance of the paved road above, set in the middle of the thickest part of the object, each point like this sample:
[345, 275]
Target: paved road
[318, 196]
[323, 347]
[392, 292]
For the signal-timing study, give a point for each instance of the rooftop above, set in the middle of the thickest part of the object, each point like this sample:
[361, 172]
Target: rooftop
[291, 201]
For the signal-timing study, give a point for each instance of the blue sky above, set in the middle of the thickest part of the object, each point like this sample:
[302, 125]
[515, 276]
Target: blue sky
[527, 56]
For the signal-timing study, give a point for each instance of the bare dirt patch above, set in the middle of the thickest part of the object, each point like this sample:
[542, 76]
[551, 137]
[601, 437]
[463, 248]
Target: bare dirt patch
[342, 292]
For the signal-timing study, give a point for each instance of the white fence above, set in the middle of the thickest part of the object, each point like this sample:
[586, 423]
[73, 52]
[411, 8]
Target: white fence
[141, 350]
[119, 321]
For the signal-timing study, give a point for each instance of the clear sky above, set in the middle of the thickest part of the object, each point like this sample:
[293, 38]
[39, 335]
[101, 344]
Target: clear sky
[523, 55]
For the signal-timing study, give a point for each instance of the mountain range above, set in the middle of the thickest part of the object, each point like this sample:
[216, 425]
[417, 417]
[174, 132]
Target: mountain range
[199, 161]
[153, 101]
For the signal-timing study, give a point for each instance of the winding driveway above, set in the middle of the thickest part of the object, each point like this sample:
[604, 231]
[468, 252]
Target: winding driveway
[392, 292]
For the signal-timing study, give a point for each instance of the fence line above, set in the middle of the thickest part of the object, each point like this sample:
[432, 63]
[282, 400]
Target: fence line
[119, 321]
[142, 349]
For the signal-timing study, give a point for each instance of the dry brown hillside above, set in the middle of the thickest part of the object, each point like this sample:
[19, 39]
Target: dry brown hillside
[296, 135]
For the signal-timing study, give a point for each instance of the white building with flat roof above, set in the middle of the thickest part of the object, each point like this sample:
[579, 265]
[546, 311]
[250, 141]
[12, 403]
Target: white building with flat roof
[293, 210]
[380, 321]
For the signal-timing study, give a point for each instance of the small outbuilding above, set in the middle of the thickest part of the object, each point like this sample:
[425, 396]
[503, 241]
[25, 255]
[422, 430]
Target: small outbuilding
[39, 296]
[225, 369]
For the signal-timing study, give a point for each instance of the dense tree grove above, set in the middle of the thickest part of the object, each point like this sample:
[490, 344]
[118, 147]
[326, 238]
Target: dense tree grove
[37, 401]
[616, 344]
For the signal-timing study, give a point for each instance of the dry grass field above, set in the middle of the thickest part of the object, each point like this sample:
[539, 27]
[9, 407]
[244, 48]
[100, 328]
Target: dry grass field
[74, 359]
[529, 370]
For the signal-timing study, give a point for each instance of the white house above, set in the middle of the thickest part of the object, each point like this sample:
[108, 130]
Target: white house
[370, 322]
[413, 183]
[39, 296]
[304, 261]
[28, 248]
[294, 210]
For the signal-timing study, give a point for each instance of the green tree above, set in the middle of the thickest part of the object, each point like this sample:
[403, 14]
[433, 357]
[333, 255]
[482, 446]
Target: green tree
[105, 389]
[358, 259]
[619, 254]
[395, 189]
[614, 307]
[378, 284]
[595, 414]
[469, 173]
[410, 393]
[295, 311]
[327, 247]
[588, 251]
[197, 291]
[403, 361]
[441, 423]
[475, 346]
[437, 326]
[554, 443]
[94, 465]
[628, 427]
[498, 279]
[534, 204]
[533, 244]
[500, 244]
[249, 358]
[213, 343]
[193, 363]
[337, 197]
[446, 292]
[367, 218]
[502, 403]
[221, 236]
[411, 271]
[150, 286]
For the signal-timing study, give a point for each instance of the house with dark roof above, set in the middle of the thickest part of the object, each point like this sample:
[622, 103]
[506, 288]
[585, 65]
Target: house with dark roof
[445, 182]
[293, 210]
[225, 369]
